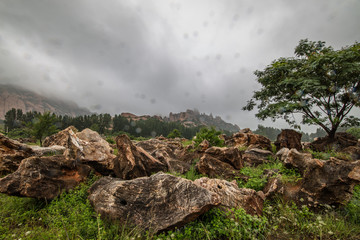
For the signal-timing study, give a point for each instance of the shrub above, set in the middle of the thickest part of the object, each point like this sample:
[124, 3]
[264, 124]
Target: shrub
[211, 135]
[175, 133]
[355, 131]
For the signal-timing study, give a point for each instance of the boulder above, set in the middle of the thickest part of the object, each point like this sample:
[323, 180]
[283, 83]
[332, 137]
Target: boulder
[353, 152]
[247, 138]
[231, 155]
[87, 147]
[52, 150]
[61, 138]
[44, 177]
[341, 141]
[11, 154]
[231, 196]
[323, 182]
[256, 156]
[288, 138]
[159, 202]
[169, 153]
[134, 161]
[215, 168]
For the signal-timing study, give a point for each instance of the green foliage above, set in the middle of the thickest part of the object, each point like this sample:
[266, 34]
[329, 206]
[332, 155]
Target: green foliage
[352, 209]
[211, 135]
[43, 126]
[269, 132]
[175, 133]
[320, 83]
[217, 224]
[355, 131]
[19, 133]
[110, 140]
[330, 153]
[257, 178]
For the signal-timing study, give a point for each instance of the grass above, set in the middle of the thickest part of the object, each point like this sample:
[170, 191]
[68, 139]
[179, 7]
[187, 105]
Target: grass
[328, 154]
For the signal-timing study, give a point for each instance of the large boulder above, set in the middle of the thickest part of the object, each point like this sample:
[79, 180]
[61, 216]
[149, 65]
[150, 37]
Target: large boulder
[231, 155]
[256, 156]
[231, 196]
[134, 161]
[353, 152]
[323, 182]
[288, 138]
[44, 177]
[341, 141]
[246, 138]
[61, 138]
[215, 168]
[11, 154]
[159, 202]
[170, 153]
[87, 147]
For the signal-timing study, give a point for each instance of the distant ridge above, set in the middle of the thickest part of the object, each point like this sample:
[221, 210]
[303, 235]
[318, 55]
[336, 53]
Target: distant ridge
[12, 96]
[190, 118]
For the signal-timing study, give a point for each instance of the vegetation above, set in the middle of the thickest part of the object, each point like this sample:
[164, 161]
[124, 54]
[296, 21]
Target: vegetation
[209, 134]
[319, 83]
[44, 125]
[175, 133]
[355, 131]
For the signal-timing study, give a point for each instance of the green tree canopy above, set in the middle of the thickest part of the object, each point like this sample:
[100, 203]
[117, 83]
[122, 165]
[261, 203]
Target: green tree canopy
[320, 83]
[43, 126]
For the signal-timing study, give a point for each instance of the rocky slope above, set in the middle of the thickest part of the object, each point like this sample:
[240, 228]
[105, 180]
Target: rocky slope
[190, 118]
[19, 98]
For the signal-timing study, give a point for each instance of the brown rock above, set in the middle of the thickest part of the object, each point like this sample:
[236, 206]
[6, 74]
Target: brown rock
[11, 154]
[87, 147]
[231, 155]
[44, 177]
[159, 202]
[167, 152]
[215, 168]
[323, 182]
[353, 152]
[341, 141]
[231, 196]
[256, 156]
[247, 138]
[61, 138]
[134, 161]
[52, 150]
[288, 138]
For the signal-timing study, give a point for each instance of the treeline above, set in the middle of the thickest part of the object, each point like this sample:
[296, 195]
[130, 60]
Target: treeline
[16, 123]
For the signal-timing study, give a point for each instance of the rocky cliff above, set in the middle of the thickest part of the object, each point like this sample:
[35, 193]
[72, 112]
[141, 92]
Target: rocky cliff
[19, 98]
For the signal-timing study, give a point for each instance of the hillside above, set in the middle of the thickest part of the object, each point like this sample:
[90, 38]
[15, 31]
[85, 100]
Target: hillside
[190, 118]
[16, 97]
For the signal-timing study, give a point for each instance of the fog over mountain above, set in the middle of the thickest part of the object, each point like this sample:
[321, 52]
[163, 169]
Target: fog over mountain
[159, 56]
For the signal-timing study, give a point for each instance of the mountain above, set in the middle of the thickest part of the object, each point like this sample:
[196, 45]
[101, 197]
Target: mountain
[16, 97]
[190, 118]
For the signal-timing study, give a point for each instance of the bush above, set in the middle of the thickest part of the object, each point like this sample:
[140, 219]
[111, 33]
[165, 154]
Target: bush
[175, 133]
[211, 135]
[355, 131]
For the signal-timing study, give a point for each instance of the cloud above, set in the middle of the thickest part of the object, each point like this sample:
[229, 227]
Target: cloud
[156, 57]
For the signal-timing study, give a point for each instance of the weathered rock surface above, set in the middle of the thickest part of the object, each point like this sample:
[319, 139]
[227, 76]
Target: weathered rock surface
[256, 156]
[341, 141]
[44, 177]
[87, 147]
[61, 138]
[170, 153]
[11, 154]
[215, 168]
[52, 150]
[288, 138]
[159, 202]
[323, 182]
[353, 152]
[231, 196]
[231, 155]
[134, 161]
[247, 138]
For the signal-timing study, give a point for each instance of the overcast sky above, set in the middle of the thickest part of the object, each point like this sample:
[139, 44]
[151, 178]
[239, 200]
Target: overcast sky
[161, 56]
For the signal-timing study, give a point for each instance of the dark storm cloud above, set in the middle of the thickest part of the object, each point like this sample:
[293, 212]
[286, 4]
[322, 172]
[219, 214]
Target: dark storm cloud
[156, 57]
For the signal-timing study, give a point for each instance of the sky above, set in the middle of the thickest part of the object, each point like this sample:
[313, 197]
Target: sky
[153, 57]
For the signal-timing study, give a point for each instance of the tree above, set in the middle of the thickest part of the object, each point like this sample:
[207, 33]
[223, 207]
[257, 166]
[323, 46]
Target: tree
[320, 83]
[44, 126]
[175, 133]
[209, 134]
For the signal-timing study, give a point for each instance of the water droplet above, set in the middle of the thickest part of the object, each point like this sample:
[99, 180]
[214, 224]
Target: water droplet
[138, 130]
[133, 123]
[153, 134]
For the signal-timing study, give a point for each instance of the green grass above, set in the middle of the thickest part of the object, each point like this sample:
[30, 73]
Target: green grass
[70, 216]
[328, 154]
